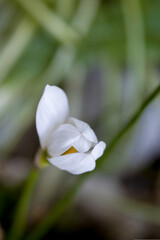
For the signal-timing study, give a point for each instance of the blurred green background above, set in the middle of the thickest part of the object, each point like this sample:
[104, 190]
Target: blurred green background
[106, 56]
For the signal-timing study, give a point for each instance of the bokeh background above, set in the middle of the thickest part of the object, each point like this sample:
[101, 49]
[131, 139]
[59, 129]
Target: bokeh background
[106, 56]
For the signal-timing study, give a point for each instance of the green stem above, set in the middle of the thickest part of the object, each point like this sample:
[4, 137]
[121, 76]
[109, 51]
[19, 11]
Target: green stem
[59, 208]
[56, 211]
[19, 222]
[129, 124]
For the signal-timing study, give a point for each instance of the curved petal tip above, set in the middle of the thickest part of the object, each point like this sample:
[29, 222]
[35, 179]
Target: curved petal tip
[98, 150]
[52, 110]
[75, 163]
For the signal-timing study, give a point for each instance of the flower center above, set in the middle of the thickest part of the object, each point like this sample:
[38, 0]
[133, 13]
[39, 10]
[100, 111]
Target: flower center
[70, 150]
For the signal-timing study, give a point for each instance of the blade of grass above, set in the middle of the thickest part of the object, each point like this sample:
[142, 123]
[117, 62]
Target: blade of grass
[65, 8]
[50, 21]
[59, 208]
[84, 17]
[136, 54]
[15, 46]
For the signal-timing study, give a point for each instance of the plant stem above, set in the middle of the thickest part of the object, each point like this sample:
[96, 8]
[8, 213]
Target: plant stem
[19, 222]
[56, 211]
[129, 124]
[59, 208]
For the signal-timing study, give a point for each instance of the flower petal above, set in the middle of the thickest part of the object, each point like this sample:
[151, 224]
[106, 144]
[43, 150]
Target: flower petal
[62, 139]
[52, 110]
[85, 129]
[75, 163]
[82, 144]
[98, 150]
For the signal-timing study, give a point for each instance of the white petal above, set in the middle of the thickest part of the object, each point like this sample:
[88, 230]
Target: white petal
[62, 139]
[75, 163]
[82, 144]
[52, 110]
[85, 129]
[98, 150]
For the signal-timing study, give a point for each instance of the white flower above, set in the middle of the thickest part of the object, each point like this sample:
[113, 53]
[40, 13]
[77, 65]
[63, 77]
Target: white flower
[70, 143]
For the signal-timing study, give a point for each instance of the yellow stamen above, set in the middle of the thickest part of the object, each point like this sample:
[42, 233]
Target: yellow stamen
[70, 150]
